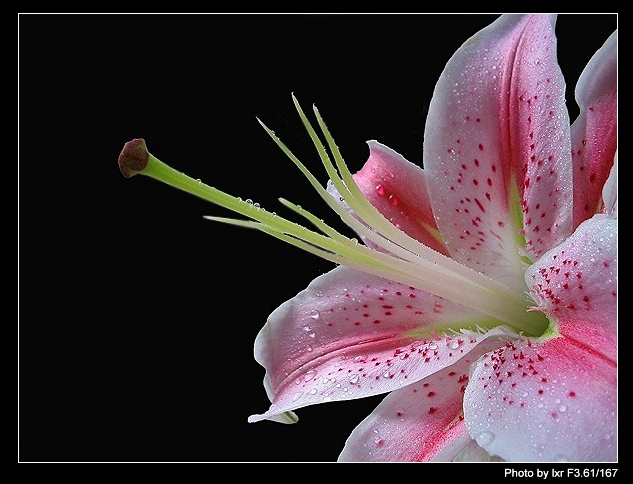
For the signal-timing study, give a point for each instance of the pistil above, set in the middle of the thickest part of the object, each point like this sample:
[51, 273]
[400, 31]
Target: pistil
[406, 260]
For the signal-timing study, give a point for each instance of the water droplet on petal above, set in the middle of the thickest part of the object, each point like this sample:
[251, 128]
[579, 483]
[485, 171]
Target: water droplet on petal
[485, 438]
[315, 315]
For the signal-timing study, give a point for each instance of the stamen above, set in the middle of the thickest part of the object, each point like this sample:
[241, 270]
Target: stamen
[372, 217]
[317, 222]
[407, 260]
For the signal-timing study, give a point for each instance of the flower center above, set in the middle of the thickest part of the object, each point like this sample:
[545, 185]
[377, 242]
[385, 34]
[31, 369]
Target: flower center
[403, 260]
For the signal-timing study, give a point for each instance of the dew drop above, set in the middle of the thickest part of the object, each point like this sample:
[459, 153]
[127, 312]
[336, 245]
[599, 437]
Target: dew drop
[353, 379]
[297, 396]
[315, 315]
[485, 438]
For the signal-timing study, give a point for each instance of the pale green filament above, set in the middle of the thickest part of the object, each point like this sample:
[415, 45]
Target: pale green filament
[407, 261]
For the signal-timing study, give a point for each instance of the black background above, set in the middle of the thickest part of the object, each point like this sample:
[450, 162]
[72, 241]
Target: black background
[136, 316]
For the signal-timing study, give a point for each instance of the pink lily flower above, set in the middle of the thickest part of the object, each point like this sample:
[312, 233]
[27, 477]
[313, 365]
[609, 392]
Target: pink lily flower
[494, 144]
[484, 299]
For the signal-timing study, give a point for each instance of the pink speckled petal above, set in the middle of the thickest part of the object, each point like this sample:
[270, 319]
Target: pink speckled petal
[594, 133]
[539, 137]
[350, 335]
[497, 147]
[421, 422]
[576, 284]
[559, 397]
[397, 188]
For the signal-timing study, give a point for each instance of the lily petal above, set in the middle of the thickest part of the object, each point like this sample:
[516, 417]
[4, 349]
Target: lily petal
[497, 147]
[421, 422]
[397, 188]
[594, 133]
[561, 392]
[350, 335]
[576, 283]
[562, 397]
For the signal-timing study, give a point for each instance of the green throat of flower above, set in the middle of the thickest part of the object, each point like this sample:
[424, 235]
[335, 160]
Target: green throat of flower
[404, 259]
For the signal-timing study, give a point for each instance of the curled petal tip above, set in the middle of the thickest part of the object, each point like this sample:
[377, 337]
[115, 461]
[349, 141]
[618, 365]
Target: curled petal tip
[133, 158]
